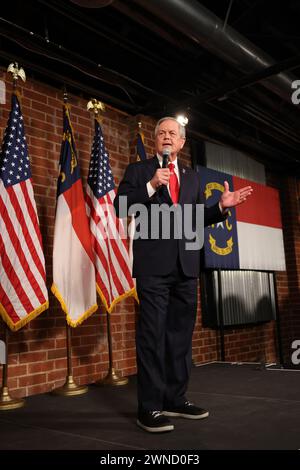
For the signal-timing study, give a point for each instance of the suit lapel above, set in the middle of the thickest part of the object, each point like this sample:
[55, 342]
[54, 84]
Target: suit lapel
[182, 182]
[153, 165]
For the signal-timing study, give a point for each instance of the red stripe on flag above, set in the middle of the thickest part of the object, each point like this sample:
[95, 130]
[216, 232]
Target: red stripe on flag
[75, 200]
[262, 207]
[119, 255]
[20, 253]
[32, 212]
[103, 259]
[88, 201]
[114, 246]
[117, 221]
[23, 223]
[103, 289]
[106, 290]
[122, 264]
[114, 275]
[8, 306]
[15, 281]
[111, 244]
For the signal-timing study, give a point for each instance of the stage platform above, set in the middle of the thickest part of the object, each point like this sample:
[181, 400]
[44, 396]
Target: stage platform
[250, 408]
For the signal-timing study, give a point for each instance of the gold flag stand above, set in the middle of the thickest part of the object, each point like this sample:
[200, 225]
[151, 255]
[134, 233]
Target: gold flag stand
[6, 401]
[112, 377]
[70, 388]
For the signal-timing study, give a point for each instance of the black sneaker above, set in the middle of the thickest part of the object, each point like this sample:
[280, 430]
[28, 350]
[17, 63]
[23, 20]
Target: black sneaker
[154, 421]
[188, 410]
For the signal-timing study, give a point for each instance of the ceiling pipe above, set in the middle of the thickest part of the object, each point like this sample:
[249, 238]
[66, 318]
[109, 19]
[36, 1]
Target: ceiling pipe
[203, 27]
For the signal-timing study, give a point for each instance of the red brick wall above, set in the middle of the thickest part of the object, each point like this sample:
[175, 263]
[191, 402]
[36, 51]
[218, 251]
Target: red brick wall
[37, 354]
[288, 283]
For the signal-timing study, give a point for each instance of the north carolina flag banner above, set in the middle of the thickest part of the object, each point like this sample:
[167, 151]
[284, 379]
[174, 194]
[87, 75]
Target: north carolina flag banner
[113, 272]
[23, 292]
[251, 237]
[140, 156]
[74, 281]
[140, 149]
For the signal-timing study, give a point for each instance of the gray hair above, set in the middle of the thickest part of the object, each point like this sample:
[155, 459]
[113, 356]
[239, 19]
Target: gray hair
[168, 118]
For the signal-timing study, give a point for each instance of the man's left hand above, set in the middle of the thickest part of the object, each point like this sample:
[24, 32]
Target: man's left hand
[234, 198]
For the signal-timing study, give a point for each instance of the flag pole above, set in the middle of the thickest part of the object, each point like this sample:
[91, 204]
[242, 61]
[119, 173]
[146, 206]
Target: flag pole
[6, 401]
[112, 377]
[70, 387]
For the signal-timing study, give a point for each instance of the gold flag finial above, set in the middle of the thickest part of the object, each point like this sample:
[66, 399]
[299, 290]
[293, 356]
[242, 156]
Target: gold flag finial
[65, 95]
[96, 106]
[16, 71]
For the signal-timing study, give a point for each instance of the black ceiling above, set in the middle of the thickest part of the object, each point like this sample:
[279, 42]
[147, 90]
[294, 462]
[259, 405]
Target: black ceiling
[146, 60]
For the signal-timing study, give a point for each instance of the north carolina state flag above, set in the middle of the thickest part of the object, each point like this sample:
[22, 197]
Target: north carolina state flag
[74, 279]
[251, 237]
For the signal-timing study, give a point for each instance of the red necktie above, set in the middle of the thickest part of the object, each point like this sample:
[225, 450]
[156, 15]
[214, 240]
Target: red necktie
[173, 184]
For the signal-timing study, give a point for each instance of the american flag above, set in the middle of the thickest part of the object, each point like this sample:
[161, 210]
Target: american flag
[23, 292]
[74, 282]
[113, 273]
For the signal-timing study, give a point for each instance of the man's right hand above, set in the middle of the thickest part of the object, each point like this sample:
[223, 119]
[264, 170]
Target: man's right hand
[161, 176]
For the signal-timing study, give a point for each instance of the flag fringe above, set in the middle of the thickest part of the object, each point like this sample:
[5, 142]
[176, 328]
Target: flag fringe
[16, 326]
[131, 293]
[71, 322]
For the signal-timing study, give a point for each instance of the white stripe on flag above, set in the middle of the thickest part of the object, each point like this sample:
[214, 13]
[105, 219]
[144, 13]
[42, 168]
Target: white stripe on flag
[18, 267]
[111, 247]
[103, 239]
[11, 293]
[260, 247]
[119, 232]
[73, 270]
[99, 266]
[29, 187]
[114, 233]
[35, 240]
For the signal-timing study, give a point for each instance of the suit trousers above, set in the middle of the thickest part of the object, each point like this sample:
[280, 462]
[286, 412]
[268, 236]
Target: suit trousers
[168, 306]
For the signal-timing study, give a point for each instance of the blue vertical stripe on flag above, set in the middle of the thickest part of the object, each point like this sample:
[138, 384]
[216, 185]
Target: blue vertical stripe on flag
[141, 152]
[69, 168]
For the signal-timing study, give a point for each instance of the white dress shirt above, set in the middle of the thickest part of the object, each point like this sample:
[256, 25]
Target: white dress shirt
[150, 188]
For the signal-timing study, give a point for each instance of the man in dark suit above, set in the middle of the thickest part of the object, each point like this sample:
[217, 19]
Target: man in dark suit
[165, 201]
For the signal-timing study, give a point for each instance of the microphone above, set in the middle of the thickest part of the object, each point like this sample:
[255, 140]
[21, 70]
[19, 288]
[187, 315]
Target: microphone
[165, 156]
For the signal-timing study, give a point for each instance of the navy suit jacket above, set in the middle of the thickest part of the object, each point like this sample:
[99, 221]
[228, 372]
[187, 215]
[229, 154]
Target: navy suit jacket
[158, 256]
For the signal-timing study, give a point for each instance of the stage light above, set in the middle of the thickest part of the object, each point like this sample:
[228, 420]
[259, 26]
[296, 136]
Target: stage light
[183, 120]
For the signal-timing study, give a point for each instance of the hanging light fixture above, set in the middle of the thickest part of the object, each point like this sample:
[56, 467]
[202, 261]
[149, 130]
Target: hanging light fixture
[92, 3]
